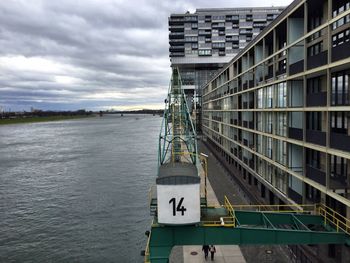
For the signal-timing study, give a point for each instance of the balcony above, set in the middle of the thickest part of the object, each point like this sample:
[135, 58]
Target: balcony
[295, 133]
[296, 67]
[218, 25]
[317, 60]
[316, 99]
[316, 137]
[204, 25]
[315, 174]
[176, 20]
[177, 54]
[281, 71]
[341, 52]
[176, 28]
[172, 41]
[177, 48]
[176, 35]
[204, 33]
[339, 141]
[338, 182]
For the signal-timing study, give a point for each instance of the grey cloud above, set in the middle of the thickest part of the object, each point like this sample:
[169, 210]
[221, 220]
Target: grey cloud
[104, 46]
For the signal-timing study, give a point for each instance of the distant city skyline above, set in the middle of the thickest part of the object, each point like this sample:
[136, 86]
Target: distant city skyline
[100, 55]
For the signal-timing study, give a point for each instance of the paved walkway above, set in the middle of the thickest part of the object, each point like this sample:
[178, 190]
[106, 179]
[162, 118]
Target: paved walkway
[194, 254]
[223, 184]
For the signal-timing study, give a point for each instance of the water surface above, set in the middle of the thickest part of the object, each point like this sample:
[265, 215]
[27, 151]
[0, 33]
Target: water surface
[76, 191]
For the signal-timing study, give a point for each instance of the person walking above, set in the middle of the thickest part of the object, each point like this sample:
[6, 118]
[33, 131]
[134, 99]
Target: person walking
[205, 248]
[212, 250]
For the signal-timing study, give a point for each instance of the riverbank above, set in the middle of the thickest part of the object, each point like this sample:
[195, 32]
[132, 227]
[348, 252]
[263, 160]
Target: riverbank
[42, 119]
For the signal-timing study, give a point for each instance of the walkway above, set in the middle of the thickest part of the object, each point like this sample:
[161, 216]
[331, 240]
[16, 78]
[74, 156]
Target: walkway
[194, 254]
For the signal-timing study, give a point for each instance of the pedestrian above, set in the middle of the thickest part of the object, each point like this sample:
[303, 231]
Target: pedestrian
[212, 250]
[205, 248]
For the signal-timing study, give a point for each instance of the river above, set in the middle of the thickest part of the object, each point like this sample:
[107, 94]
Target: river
[76, 191]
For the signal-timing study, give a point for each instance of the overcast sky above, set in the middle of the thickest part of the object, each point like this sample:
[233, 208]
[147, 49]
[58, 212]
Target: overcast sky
[91, 54]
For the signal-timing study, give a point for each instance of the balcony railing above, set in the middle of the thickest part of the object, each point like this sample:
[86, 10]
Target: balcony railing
[296, 67]
[316, 137]
[316, 175]
[295, 133]
[316, 99]
[341, 52]
[317, 60]
[340, 141]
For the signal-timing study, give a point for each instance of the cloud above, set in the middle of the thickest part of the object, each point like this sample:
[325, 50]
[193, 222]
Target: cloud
[88, 54]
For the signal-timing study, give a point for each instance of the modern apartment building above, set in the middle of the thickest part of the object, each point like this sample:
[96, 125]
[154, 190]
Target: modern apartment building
[204, 41]
[278, 114]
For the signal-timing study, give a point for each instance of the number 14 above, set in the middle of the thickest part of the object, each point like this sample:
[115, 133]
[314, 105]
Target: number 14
[179, 207]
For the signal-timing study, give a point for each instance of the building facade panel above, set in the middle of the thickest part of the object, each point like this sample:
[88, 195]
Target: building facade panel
[279, 112]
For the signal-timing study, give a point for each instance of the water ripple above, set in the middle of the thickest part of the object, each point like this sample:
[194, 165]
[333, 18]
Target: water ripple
[76, 191]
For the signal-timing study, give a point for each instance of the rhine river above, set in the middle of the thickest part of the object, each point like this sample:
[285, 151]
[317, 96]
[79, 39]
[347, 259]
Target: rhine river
[76, 191]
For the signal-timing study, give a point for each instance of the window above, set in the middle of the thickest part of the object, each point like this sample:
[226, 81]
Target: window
[314, 120]
[339, 7]
[315, 49]
[269, 97]
[282, 95]
[281, 154]
[281, 124]
[313, 158]
[190, 18]
[191, 39]
[218, 45]
[314, 21]
[341, 38]
[339, 122]
[342, 21]
[268, 122]
[260, 98]
[314, 85]
[269, 147]
[204, 52]
[339, 167]
[340, 89]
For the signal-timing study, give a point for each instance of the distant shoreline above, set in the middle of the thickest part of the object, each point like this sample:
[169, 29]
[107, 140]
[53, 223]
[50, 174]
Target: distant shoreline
[42, 119]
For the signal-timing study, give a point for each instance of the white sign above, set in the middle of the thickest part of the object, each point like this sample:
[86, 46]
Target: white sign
[178, 204]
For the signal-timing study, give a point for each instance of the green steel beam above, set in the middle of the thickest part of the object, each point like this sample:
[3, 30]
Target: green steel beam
[164, 238]
[255, 228]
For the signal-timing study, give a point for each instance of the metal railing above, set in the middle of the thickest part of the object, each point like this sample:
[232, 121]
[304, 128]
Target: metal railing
[224, 221]
[298, 208]
[334, 218]
[147, 252]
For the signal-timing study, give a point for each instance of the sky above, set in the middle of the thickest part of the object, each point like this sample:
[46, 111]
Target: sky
[90, 54]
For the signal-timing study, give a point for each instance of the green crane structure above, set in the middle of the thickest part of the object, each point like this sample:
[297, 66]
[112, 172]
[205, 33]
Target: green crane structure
[228, 224]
